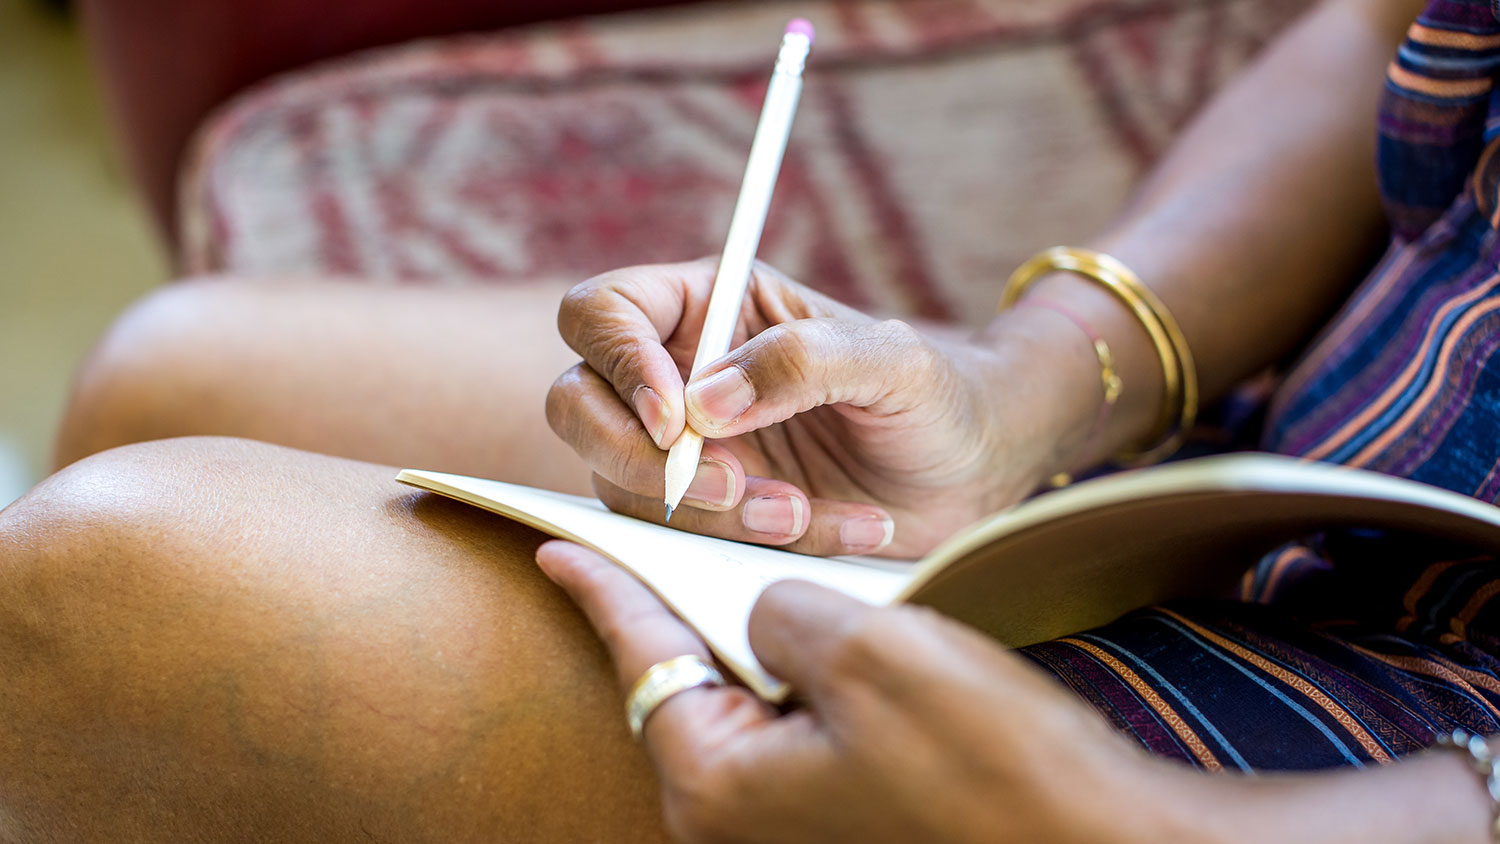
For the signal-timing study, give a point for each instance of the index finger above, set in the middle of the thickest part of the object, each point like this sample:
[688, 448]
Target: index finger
[619, 323]
[639, 632]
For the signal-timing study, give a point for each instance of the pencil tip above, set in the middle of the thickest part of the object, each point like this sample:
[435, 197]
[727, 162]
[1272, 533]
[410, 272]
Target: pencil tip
[669, 512]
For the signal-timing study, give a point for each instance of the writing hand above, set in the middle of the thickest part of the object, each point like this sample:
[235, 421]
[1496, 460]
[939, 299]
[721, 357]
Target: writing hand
[828, 431]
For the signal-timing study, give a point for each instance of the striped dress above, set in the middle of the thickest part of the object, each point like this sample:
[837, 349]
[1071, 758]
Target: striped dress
[1353, 647]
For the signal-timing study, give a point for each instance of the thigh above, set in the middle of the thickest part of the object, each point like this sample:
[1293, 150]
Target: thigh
[446, 378]
[216, 640]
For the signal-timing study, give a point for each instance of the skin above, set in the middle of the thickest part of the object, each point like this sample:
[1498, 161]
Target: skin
[220, 640]
[1261, 218]
[898, 740]
[335, 367]
[867, 428]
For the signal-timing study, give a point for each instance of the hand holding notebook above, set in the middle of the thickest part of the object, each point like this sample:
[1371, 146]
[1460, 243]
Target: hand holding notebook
[912, 728]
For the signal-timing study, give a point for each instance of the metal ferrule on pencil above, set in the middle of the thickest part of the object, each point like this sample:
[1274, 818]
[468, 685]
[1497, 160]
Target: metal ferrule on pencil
[792, 56]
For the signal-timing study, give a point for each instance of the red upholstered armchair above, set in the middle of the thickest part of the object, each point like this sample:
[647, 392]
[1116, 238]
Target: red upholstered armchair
[939, 142]
[167, 63]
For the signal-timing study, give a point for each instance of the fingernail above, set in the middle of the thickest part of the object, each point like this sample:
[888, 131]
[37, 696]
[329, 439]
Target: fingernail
[712, 484]
[777, 514]
[722, 397]
[652, 411]
[867, 533]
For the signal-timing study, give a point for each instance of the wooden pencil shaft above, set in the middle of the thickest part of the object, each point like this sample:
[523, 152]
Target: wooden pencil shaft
[682, 465]
[745, 228]
[749, 220]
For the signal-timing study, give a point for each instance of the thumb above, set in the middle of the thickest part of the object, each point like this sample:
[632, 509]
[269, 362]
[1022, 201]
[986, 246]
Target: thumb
[793, 367]
[827, 644]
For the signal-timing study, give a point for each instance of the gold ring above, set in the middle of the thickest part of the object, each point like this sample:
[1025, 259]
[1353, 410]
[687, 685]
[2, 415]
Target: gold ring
[663, 681]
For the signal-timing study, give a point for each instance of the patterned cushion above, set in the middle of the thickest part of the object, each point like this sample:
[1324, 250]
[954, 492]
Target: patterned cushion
[938, 144]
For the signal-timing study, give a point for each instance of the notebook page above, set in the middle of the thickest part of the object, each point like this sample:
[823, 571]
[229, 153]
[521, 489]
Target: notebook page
[710, 583]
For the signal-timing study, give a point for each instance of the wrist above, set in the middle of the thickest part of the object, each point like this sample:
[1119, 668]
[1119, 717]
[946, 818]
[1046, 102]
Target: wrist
[1428, 797]
[1041, 361]
[1136, 420]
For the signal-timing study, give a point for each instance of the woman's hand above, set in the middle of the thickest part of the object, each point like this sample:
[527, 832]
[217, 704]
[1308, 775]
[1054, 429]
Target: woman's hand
[830, 432]
[914, 729]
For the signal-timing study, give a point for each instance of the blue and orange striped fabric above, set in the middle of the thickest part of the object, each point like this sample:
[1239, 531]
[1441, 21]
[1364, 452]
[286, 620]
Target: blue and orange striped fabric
[1350, 665]
[1356, 648]
[1434, 112]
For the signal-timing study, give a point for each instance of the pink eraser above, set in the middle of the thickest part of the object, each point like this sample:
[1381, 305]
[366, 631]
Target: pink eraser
[801, 26]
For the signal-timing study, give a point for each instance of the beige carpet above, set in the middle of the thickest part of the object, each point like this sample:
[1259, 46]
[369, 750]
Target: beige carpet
[74, 247]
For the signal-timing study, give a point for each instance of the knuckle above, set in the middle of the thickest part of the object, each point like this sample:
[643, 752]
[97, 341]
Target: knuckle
[901, 342]
[632, 283]
[792, 346]
[588, 315]
[595, 581]
[621, 625]
[901, 337]
[559, 398]
[616, 355]
[901, 331]
[763, 273]
[578, 305]
[616, 630]
[566, 408]
[627, 465]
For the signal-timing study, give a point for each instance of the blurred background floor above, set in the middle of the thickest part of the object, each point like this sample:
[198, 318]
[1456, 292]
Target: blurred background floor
[75, 247]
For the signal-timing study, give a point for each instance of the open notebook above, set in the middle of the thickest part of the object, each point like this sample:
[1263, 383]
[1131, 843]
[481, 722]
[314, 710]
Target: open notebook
[1053, 565]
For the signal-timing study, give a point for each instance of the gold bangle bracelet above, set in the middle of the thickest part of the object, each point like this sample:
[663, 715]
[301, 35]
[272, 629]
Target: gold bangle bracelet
[1179, 407]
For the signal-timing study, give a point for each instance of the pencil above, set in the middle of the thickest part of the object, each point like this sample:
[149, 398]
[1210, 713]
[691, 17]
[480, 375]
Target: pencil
[745, 228]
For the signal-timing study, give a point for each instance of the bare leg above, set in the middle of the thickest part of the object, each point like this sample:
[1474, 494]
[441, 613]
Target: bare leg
[218, 640]
[440, 378]
[445, 378]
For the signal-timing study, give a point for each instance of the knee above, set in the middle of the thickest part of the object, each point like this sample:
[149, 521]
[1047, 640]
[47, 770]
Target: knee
[161, 361]
[138, 649]
[70, 551]
[75, 576]
[287, 643]
[111, 542]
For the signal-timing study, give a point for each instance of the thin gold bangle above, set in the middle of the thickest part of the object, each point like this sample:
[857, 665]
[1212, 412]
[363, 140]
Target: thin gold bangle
[1179, 407]
[1109, 380]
